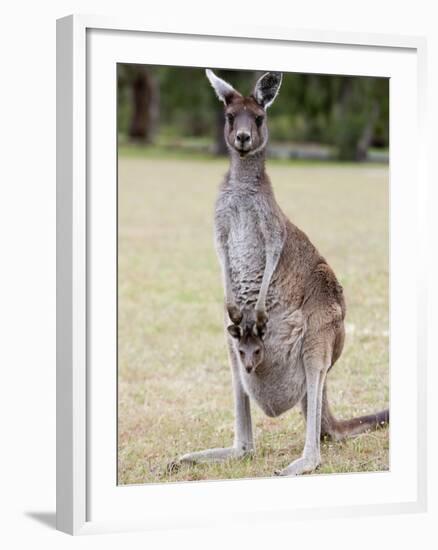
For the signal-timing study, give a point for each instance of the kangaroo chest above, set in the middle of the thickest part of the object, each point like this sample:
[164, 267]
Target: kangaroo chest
[246, 250]
[240, 219]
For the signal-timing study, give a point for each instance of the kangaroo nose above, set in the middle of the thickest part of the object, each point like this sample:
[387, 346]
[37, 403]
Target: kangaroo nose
[243, 137]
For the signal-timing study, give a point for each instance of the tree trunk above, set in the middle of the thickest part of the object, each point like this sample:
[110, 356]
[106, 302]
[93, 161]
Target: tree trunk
[367, 134]
[145, 103]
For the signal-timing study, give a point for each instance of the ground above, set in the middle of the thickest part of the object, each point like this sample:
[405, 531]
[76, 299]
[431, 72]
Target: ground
[174, 380]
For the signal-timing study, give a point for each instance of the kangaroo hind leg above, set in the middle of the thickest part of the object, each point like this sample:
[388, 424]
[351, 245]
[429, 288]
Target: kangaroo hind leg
[316, 368]
[243, 435]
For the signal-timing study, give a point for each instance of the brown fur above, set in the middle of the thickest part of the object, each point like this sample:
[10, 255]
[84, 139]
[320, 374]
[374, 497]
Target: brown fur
[285, 303]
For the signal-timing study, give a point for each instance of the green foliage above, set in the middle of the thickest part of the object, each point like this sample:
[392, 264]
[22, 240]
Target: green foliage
[361, 104]
[348, 112]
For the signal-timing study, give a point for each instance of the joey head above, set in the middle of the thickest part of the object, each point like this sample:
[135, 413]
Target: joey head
[249, 342]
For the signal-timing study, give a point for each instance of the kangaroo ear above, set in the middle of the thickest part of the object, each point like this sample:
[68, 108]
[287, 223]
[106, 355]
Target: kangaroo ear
[266, 89]
[235, 331]
[224, 91]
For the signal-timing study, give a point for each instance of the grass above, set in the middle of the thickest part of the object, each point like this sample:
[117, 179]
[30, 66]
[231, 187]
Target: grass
[174, 381]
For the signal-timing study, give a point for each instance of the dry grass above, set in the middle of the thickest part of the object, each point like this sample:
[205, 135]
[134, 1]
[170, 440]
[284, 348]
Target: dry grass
[174, 382]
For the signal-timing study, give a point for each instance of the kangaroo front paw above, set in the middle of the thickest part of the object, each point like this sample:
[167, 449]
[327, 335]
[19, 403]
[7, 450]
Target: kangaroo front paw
[300, 466]
[234, 314]
[261, 317]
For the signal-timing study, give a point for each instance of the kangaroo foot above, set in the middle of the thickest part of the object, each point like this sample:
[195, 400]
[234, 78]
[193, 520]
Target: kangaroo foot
[215, 455]
[303, 465]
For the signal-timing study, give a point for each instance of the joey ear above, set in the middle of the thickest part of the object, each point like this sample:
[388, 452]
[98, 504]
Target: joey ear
[235, 331]
[266, 89]
[224, 91]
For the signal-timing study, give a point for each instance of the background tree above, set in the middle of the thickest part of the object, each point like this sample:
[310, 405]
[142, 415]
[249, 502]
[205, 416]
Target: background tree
[138, 86]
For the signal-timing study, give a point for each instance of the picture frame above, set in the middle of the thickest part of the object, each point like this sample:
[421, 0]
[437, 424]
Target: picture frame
[88, 499]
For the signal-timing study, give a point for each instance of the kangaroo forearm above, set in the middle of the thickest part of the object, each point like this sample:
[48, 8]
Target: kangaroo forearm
[230, 300]
[272, 258]
[228, 290]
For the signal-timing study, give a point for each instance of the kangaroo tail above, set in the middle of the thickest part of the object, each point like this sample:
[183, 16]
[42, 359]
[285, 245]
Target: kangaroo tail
[339, 429]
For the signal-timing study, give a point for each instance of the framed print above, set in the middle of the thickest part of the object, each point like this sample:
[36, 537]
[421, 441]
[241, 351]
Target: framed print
[307, 256]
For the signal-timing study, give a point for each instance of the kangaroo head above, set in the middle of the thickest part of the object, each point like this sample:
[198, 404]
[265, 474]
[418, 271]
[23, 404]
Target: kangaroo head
[249, 335]
[246, 131]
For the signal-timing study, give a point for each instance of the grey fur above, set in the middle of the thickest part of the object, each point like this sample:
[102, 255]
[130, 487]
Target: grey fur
[270, 267]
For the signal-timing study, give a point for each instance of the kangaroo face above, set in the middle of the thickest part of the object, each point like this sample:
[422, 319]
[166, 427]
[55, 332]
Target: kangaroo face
[250, 346]
[245, 130]
[245, 126]
[251, 353]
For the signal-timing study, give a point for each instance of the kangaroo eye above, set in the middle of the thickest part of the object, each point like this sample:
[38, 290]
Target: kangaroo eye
[230, 118]
[257, 352]
[241, 353]
[259, 120]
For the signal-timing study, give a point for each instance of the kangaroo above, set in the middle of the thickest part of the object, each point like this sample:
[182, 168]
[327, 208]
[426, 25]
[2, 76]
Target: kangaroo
[270, 266]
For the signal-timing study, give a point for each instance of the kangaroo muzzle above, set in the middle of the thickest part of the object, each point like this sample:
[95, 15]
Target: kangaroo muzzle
[243, 141]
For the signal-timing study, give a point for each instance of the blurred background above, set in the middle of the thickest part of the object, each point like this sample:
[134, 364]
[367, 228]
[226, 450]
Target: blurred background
[314, 116]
